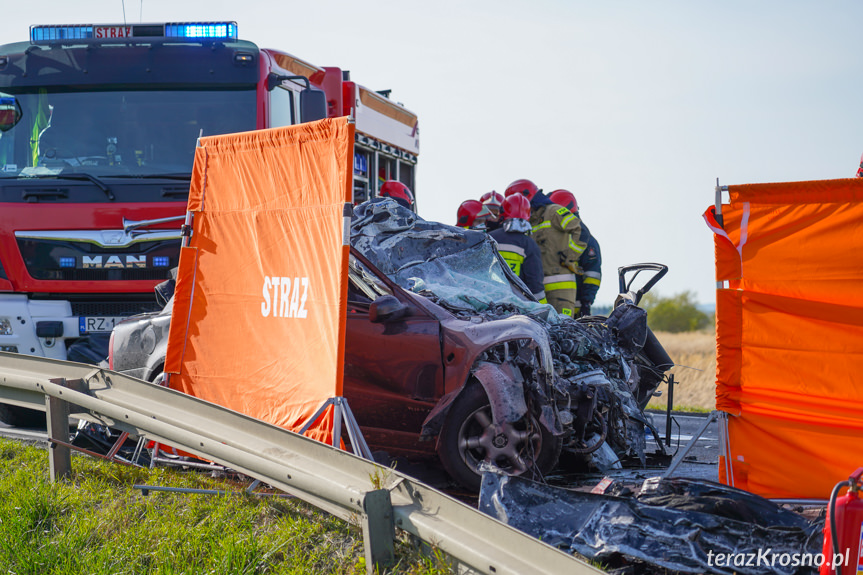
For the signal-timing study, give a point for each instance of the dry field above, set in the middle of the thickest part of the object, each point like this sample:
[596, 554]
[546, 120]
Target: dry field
[694, 355]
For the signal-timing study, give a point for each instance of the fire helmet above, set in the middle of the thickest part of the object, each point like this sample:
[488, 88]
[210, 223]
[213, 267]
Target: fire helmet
[397, 191]
[523, 187]
[564, 198]
[516, 206]
[471, 214]
[494, 202]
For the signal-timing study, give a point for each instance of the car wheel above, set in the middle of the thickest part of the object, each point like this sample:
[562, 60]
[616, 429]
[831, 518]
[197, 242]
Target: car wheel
[470, 437]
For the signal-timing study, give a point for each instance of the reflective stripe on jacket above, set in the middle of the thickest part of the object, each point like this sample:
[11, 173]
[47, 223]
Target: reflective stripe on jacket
[521, 253]
[558, 233]
[560, 281]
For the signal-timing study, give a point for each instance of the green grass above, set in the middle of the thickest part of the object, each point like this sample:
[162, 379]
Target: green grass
[659, 408]
[98, 523]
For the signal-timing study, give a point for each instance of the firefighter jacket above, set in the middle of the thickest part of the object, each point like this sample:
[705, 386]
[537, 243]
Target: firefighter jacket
[559, 234]
[520, 251]
[591, 267]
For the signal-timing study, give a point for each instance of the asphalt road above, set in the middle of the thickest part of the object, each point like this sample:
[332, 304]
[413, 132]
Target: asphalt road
[702, 459]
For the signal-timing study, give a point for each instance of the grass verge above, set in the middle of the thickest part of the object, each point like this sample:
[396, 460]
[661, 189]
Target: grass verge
[694, 356]
[98, 523]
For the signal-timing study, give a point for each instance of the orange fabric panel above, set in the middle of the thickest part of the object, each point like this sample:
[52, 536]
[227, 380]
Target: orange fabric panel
[259, 314]
[782, 458]
[725, 242]
[180, 315]
[794, 193]
[728, 350]
[790, 335]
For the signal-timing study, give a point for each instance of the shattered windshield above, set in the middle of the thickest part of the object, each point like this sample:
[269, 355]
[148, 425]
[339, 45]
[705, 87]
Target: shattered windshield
[118, 132]
[457, 268]
[364, 281]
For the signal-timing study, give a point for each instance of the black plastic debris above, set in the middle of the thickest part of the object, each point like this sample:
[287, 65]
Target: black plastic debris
[671, 525]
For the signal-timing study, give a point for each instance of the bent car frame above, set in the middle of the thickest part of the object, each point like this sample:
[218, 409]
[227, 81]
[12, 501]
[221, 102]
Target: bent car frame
[448, 352]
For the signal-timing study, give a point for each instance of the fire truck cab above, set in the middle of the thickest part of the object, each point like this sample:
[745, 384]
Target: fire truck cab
[98, 127]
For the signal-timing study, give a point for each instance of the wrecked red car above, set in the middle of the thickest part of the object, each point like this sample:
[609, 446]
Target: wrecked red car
[447, 351]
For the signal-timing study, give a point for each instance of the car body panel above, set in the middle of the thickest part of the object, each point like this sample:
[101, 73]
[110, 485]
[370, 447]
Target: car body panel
[139, 344]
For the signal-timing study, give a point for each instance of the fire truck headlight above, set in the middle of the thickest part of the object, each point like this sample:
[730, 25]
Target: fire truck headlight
[5, 326]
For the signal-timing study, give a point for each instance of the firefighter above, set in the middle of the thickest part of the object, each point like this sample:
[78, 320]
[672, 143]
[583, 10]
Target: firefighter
[494, 202]
[472, 215]
[397, 191]
[590, 261]
[517, 247]
[558, 233]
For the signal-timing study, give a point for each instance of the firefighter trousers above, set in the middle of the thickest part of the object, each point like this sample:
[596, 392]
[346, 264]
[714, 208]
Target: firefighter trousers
[561, 291]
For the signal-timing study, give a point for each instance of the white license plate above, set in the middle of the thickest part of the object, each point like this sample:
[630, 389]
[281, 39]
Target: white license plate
[93, 324]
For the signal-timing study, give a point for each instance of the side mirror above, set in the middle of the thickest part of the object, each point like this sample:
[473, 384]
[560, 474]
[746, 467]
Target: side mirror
[313, 102]
[10, 112]
[313, 105]
[386, 308]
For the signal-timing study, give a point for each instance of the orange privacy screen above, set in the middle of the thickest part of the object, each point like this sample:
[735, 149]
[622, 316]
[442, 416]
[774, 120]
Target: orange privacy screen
[789, 335]
[258, 319]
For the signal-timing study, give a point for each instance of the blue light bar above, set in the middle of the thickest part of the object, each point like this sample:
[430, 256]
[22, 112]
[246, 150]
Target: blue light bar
[98, 33]
[161, 261]
[67, 32]
[224, 30]
[67, 262]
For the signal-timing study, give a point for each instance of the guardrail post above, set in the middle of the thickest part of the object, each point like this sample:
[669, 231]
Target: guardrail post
[378, 530]
[57, 419]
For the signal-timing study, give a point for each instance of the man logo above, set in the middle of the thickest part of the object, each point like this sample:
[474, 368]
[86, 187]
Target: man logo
[285, 302]
[114, 262]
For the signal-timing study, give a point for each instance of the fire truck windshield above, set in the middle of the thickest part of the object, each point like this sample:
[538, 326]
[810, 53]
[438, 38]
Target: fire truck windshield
[118, 133]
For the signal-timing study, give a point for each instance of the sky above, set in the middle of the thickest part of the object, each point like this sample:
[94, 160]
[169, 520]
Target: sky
[635, 107]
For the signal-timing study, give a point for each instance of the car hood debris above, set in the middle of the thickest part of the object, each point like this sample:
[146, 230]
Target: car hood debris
[679, 525]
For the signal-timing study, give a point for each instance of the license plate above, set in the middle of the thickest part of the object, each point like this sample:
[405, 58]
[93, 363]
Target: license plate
[95, 324]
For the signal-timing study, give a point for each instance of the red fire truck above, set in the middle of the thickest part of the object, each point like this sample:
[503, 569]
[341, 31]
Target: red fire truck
[98, 126]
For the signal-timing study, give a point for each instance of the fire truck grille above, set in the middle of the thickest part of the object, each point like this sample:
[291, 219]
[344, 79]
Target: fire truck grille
[115, 308]
[106, 275]
[69, 260]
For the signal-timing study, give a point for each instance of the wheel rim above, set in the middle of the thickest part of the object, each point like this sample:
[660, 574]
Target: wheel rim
[510, 447]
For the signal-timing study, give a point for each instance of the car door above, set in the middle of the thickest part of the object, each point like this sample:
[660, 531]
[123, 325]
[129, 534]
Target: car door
[393, 368]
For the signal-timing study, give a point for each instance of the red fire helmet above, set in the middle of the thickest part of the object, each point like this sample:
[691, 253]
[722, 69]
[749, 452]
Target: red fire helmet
[397, 190]
[516, 206]
[564, 198]
[493, 202]
[524, 187]
[471, 213]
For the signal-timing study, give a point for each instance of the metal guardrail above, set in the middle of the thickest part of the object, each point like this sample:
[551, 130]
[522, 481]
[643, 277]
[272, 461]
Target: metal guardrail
[338, 482]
